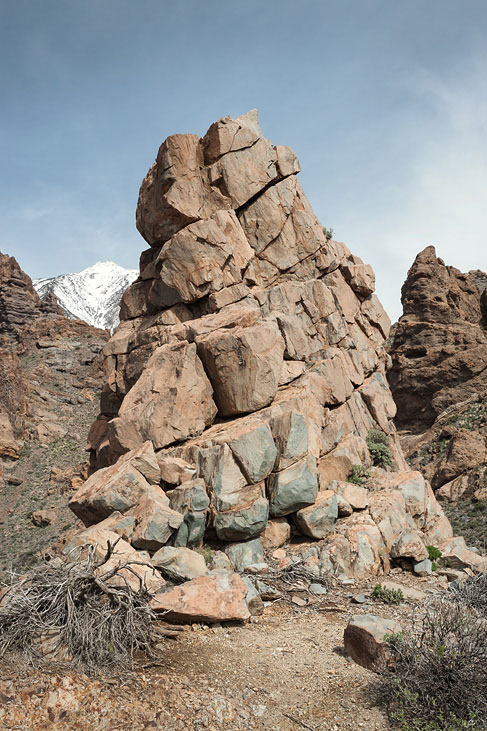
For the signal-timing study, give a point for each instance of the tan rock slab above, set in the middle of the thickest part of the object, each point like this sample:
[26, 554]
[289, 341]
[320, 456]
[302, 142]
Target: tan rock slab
[171, 401]
[215, 598]
[244, 366]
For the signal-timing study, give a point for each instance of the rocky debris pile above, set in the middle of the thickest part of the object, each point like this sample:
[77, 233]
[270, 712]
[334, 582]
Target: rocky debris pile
[244, 379]
[439, 359]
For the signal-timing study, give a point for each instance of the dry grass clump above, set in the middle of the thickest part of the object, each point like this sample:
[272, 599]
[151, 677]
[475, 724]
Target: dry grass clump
[92, 611]
[439, 679]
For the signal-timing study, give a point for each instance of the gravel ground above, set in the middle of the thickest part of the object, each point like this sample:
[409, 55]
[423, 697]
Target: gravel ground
[286, 670]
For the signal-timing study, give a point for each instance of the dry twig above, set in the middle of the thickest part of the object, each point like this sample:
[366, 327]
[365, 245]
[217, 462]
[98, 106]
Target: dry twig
[90, 609]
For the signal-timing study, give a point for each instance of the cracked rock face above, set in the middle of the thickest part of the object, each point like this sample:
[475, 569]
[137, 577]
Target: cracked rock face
[439, 362]
[439, 350]
[250, 358]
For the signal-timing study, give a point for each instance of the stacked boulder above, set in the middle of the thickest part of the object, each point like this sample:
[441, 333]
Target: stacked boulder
[247, 371]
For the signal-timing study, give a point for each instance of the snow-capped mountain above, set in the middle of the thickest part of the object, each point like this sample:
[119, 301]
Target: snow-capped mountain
[92, 295]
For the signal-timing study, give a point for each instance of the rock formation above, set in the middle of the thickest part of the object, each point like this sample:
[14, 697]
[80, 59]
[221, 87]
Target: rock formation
[19, 302]
[247, 372]
[439, 349]
[437, 377]
[50, 371]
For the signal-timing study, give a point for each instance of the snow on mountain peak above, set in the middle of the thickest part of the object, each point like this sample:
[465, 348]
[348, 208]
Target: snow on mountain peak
[93, 294]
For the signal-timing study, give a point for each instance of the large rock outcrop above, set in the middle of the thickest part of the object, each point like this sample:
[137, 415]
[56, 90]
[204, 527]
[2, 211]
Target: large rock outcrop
[250, 359]
[19, 302]
[439, 349]
[438, 375]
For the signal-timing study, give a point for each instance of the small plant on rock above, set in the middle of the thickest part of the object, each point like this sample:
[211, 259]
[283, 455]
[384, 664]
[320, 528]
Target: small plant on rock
[378, 444]
[434, 554]
[387, 596]
[328, 233]
[358, 474]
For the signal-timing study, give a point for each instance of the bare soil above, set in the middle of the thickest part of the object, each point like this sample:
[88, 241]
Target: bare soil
[286, 670]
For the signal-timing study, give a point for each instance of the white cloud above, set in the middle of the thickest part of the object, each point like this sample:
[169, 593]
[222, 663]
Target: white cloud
[443, 200]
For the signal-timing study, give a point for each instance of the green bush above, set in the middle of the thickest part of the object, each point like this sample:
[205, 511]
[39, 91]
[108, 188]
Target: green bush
[433, 553]
[358, 474]
[387, 596]
[378, 444]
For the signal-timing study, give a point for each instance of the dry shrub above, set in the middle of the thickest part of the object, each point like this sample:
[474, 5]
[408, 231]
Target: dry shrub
[471, 593]
[439, 680]
[95, 622]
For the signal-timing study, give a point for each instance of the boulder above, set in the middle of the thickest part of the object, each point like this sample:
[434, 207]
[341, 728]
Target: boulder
[116, 488]
[245, 554]
[276, 533]
[244, 523]
[155, 521]
[355, 495]
[410, 544]
[179, 564]
[294, 488]
[459, 556]
[364, 640]
[244, 366]
[191, 501]
[254, 450]
[317, 521]
[215, 598]
[204, 257]
[172, 400]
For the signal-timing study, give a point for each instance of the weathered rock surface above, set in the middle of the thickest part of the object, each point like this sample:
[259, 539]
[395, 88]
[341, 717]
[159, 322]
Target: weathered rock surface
[215, 598]
[19, 302]
[439, 348]
[439, 361]
[364, 640]
[251, 356]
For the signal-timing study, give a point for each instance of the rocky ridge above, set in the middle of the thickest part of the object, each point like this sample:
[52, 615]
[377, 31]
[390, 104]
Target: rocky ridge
[242, 383]
[437, 377]
[50, 377]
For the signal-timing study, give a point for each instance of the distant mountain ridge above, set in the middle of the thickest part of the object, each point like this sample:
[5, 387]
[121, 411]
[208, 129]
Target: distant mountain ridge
[92, 295]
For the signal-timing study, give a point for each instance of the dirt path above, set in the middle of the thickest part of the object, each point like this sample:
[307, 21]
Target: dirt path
[285, 671]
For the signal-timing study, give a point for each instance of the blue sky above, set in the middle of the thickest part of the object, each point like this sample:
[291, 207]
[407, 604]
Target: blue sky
[384, 101]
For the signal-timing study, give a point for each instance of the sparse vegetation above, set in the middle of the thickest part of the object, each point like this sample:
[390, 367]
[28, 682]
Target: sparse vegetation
[387, 596]
[358, 474]
[378, 443]
[328, 233]
[207, 552]
[474, 418]
[469, 517]
[89, 607]
[433, 553]
[438, 681]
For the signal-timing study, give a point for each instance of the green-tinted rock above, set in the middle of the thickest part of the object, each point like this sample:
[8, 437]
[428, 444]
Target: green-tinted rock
[243, 523]
[294, 488]
[255, 452]
[191, 500]
[318, 520]
[245, 554]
